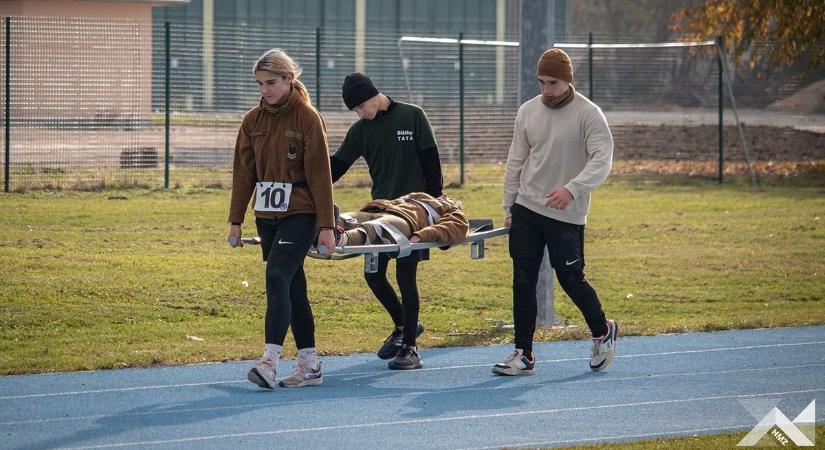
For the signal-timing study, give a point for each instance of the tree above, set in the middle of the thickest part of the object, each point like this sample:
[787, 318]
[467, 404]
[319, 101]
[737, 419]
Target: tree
[639, 20]
[781, 32]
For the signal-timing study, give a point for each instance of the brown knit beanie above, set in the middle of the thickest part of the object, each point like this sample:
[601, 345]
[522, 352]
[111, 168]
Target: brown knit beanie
[555, 63]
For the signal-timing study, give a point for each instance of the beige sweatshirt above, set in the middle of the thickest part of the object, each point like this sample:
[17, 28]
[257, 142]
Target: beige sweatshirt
[570, 146]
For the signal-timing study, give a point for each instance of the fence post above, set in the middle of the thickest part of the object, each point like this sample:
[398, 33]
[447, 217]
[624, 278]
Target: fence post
[318, 68]
[8, 103]
[461, 108]
[590, 66]
[167, 124]
[720, 41]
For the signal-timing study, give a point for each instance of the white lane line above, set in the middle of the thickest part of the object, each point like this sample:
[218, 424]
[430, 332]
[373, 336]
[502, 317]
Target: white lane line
[692, 374]
[440, 419]
[560, 360]
[397, 395]
[426, 369]
[710, 350]
[135, 388]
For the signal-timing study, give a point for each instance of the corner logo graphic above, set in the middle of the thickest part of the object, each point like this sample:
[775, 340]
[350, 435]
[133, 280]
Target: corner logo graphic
[783, 430]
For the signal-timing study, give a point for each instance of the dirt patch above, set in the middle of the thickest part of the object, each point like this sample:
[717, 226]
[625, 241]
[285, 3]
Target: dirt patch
[808, 100]
[700, 143]
[693, 151]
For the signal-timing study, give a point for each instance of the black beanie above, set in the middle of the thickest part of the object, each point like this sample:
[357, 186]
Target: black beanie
[357, 89]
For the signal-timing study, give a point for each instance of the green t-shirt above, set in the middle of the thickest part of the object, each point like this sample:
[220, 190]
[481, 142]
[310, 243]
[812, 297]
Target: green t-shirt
[391, 145]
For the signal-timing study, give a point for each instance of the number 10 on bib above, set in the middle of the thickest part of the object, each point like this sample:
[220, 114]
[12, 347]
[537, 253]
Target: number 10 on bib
[272, 196]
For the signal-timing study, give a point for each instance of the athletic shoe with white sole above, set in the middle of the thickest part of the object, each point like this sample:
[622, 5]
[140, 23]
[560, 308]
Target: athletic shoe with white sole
[263, 374]
[604, 348]
[516, 364]
[406, 359]
[392, 344]
[303, 376]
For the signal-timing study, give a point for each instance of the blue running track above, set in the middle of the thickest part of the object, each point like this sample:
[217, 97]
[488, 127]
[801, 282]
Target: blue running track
[659, 386]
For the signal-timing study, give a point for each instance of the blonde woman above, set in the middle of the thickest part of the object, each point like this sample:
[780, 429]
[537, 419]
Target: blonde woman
[281, 164]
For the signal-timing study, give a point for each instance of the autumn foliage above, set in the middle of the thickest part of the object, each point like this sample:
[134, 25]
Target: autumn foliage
[783, 31]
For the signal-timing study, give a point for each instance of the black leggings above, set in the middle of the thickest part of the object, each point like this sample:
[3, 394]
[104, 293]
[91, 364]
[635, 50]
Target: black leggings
[402, 312]
[285, 243]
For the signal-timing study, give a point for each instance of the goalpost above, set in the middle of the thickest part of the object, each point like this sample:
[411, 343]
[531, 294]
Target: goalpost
[676, 81]
[634, 82]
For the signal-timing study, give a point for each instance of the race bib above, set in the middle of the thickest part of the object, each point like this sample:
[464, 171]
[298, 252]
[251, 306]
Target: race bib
[272, 196]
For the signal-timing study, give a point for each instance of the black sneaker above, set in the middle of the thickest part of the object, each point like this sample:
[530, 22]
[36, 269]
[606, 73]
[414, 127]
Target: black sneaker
[393, 342]
[406, 359]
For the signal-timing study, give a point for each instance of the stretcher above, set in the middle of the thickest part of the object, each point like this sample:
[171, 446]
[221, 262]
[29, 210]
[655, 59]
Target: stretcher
[480, 230]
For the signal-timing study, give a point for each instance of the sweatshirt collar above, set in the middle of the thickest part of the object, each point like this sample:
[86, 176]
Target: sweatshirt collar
[283, 106]
[390, 108]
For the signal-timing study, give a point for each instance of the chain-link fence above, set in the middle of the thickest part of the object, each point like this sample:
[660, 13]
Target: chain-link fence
[87, 98]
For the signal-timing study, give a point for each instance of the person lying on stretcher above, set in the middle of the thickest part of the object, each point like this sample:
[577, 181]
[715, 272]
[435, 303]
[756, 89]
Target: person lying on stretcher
[417, 216]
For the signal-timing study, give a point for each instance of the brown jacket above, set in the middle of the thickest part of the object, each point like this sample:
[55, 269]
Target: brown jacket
[451, 228]
[290, 146]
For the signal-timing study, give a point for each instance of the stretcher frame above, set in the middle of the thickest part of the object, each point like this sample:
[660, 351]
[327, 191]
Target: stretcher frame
[476, 239]
[403, 247]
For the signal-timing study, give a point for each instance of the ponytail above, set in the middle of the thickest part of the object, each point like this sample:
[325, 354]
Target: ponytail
[303, 95]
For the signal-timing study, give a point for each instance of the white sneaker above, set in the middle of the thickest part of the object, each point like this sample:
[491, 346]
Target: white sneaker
[303, 376]
[263, 374]
[604, 348]
[516, 364]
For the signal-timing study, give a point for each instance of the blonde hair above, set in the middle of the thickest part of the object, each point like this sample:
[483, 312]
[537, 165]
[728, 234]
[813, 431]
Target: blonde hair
[276, 61]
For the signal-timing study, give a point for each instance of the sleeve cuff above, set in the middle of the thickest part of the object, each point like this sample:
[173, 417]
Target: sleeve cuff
[573, 191]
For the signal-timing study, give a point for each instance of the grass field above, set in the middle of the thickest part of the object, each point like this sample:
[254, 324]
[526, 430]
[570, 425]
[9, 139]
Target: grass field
[136, 277]
[696, 442]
